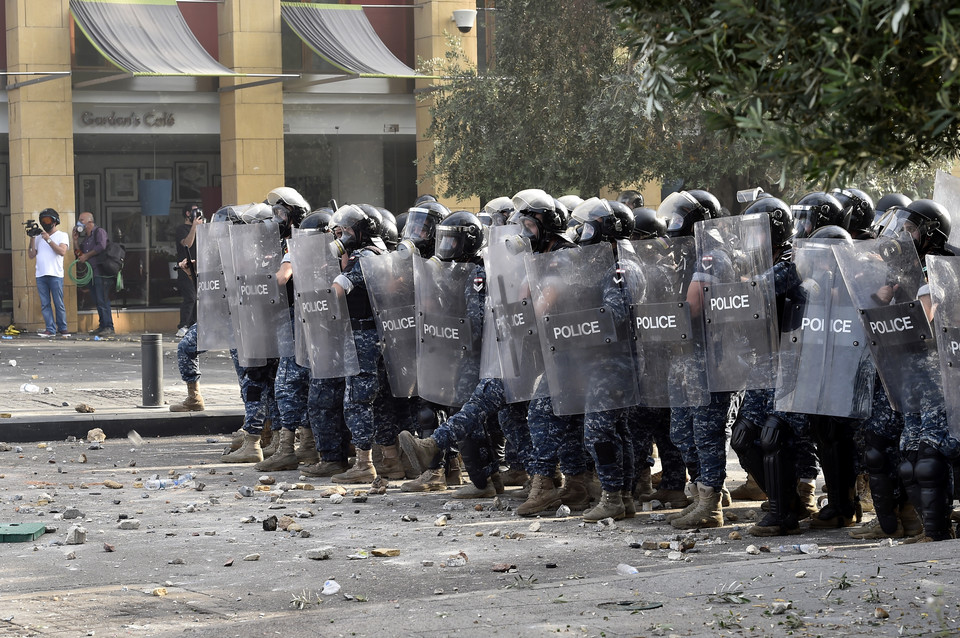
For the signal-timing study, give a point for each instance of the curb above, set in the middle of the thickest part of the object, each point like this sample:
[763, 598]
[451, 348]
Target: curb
[147, 423]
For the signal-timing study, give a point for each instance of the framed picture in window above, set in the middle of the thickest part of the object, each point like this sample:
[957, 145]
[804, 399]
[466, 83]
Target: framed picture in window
[125, 225]
[88, 194]
[121, 184]
[191, 177]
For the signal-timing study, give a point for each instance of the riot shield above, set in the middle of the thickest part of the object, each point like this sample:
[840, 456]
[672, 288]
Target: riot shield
[214, 326]
[389, 279]
[946, 191]
[944, 274]
[735, 274]
[489, 356]
[323, 312]
[449, 302]
[301, 348]
[517, 335]
[582, 310]
[265, 328]
[825, 366]
[884, 277]
[669, 338]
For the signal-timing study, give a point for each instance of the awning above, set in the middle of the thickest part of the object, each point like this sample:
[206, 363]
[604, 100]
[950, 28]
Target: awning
[145, 37]
[342, 35]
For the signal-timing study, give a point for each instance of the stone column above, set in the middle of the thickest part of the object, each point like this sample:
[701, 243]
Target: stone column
[41, 143]
[433, 22]
[251, 120]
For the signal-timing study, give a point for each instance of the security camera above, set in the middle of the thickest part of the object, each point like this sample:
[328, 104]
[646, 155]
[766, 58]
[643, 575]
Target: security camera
[465, 19]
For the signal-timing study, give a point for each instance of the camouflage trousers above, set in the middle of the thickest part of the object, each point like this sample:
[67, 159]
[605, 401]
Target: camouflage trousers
[607, 437]
[291, 388]
[188, 359]
[700, 433]
[518, 448]
[364, 393]
[757, 405]
[256, 390]
[325, 413]
[649, 426]
[555, 439]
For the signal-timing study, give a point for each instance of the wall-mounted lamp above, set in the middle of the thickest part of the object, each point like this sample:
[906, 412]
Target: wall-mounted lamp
[465, 19]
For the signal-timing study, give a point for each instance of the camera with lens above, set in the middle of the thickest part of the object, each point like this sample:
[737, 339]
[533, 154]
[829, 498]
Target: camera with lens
[32, 227]
[193, 213]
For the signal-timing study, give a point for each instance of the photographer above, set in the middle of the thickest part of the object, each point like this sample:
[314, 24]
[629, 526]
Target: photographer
[48, 245]
[186, 275]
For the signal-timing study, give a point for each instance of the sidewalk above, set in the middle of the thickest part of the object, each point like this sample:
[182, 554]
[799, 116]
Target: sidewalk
[105, 374]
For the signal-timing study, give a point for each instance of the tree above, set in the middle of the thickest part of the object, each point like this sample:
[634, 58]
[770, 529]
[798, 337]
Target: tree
[832, 88]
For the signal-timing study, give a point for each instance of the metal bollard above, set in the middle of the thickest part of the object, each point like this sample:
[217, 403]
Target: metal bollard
[151, 370]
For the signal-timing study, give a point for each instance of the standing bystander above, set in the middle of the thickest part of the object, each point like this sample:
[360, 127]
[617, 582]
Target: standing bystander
[48, 248]
[92, 242]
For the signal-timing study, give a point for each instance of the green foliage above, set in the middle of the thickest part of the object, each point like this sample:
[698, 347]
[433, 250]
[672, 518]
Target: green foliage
[832, 89]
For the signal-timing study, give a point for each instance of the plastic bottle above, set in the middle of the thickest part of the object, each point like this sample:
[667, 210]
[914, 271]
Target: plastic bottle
[626, 570]
[29, 388]
[186, 480]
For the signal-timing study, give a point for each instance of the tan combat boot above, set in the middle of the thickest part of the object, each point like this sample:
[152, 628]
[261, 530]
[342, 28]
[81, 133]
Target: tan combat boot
[708, 512]
[390, 465]
[693, 495]
[307, 447]
[544, 495]
[428, 481]
[248, 452]
[644, 487]
[629, 505]
[285, 458]
[324, 469]
[808, 500]
[494, 487]
[236, 441]
[422, 453]
[193, 402]
[361, 472]
[573, 492]
[271, 444]
[749, 491]
[610, 506]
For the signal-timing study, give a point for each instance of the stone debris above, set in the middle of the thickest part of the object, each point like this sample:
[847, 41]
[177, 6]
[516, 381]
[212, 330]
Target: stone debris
[245, 491]
[113, 485]
[563, 511]
[359, 554]
[83, 408]
[503, 568]
[333, 489]
[753, 550]
[159, 591]
[320, 553]
[534, 527]
[130, 523]
[441, 521]
[270, 524]
[330, 587]
[735, 536]
[107, 547]
[71, 513]
[780, 607]
[455, 560]
[76, 535]
[385, 552]
[251, 557]
[336, 499]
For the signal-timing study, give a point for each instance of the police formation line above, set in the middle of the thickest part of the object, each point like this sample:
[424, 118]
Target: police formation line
[551, 343]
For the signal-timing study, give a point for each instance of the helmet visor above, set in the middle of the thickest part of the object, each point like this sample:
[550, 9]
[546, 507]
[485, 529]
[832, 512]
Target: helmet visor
[901, 223]
[450, 242]
[805, 220]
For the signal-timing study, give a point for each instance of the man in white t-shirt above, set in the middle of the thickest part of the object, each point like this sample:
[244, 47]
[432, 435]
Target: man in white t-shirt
[48, 248]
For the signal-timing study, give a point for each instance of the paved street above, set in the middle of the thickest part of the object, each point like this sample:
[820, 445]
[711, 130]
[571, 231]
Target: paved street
[187, 568]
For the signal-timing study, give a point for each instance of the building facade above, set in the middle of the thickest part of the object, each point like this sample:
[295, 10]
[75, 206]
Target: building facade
[83, 123]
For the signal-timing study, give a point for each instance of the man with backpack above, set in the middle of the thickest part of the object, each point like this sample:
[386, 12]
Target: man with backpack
[92, 241]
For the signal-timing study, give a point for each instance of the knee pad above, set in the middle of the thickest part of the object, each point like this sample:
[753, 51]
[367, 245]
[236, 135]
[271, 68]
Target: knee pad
[775, 434]
[931, 466]
[254, 393]
[745, 434]
[427, 417]
[907, 469]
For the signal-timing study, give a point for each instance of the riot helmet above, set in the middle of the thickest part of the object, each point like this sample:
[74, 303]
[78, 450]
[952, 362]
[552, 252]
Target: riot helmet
[597, 220]
[633, 199]
[373, 213]
[570, 201]
[256, 214]
[925, 220]
[401, 222]
[388, 233]
[459, 237]
[386, 214]
[496, 212]
[817, 209]
[888, 202]
[832, 232]
[683, 209]
[318, 220]
[781, 218]
[353, 229]
[858, 204]
[423, 199]
[289, 208]
[48, 219]
[419, 229]
[537, 213]
[647, 224]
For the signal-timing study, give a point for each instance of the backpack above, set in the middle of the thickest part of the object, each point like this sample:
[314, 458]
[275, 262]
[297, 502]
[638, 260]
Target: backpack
[112, 261]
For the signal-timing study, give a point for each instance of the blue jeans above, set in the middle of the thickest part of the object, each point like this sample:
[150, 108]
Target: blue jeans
[52, 286]
[101, 290]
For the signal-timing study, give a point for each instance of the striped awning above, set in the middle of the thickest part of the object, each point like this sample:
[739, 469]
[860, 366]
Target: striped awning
[145, 37]
[342, 35]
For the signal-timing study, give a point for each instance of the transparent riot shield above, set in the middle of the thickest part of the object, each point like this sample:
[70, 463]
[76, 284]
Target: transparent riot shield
[517, 335]
[669, 338]
[825, 366]
[582, 310]
[301, 348]
[944, 274]
[450, 303]
[323, 315]
[214, 326]
[389, 279]
[265, 330]
[489, 356]
[734, 273]
[884, 277]
[946, 191]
